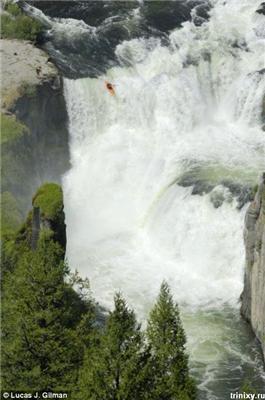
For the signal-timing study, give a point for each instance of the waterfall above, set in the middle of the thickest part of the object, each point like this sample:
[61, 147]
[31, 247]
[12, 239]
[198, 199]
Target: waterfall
[158, 172]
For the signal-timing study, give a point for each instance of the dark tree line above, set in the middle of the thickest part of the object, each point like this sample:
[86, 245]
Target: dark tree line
[51, 339]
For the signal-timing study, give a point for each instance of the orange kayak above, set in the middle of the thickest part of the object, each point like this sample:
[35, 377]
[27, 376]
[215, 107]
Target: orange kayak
[110, 88]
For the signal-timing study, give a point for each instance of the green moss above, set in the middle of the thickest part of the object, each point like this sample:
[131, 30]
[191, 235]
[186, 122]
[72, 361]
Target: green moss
[11, 217]
[11, 128]
[49, 198]
[16, 25]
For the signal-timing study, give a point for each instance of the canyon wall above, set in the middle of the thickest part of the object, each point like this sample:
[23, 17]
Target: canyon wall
[34, 127]
[253, 296]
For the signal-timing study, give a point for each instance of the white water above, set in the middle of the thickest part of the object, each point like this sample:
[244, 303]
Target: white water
[129, 225]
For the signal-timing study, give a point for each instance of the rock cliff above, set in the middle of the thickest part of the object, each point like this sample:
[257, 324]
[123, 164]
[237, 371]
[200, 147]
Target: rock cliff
[34, 126]
[253, 296]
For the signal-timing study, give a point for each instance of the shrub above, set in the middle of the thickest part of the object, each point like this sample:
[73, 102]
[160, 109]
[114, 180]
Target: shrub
[16, 25]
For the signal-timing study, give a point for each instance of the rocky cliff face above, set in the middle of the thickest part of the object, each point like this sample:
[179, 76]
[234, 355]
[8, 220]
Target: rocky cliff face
[253, 296]
[35, 147]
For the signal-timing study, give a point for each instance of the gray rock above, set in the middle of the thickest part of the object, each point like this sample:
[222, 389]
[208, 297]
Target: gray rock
[253, 296]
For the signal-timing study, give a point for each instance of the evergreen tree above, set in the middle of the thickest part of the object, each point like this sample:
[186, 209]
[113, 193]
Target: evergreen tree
[167, 341]
[115, 367]
[40, 348]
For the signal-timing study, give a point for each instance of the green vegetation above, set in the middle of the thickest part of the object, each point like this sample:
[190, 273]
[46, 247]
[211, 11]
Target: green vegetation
[11, 128]
[54, 337]
[52, 341]
[115, 367]
[129, 364]
[16, 25]
[11, 217]
[49, 198]
[167, 341]
[41, 349]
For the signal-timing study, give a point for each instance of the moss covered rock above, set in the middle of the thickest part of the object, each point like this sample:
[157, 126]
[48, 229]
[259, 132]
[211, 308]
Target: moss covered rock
[49, 200]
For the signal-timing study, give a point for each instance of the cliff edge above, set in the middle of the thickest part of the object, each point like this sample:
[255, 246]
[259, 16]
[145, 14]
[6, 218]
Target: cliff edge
[253, 296]
[34, 132]
[23, 67]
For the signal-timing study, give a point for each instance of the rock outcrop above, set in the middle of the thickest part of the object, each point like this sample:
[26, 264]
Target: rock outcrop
[46, 219]
[253, 296]
[34, 124]
[48, 214]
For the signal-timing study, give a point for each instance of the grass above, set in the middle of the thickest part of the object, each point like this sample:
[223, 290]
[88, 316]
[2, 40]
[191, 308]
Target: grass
[49, 198]
[11, 128]
[16, 25]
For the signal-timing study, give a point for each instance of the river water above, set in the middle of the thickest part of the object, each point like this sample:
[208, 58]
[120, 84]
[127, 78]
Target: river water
[162, 173]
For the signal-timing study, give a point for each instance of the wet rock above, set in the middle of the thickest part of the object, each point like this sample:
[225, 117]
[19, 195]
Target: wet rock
[261, 9]
[41, 152]
[201, 186]
[253, 296]
[220, 194]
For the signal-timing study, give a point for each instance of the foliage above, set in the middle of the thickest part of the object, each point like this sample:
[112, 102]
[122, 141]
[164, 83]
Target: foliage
[11, 216]
[167, 341]
[49, 197]
[16, 25]
[52, 341]
[123, 364]
[13, 9]
[40, 347]
[11, 128]
[114, 367]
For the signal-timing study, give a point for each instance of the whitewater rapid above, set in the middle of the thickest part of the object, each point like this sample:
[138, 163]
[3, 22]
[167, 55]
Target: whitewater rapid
[192, 106]
[195, 103]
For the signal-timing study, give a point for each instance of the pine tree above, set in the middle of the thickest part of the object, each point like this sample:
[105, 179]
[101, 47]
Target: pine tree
[40, 348]
[115, 367]
[167, 341]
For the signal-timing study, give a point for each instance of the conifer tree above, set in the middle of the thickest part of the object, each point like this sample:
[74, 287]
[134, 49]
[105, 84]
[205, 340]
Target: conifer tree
[115, 367]
[167, 341]
[40, 348]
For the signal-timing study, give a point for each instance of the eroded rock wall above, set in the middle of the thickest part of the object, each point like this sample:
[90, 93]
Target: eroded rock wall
[32, 95]
[253, 296]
